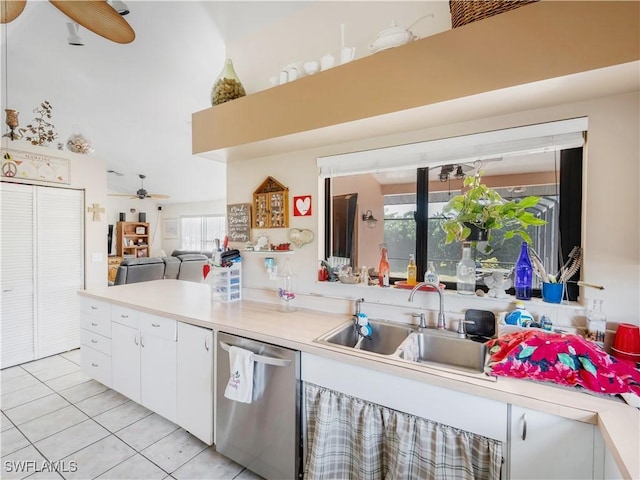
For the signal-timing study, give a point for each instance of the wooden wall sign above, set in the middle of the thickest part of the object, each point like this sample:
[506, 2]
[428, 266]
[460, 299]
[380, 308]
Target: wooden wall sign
[239, 222]
[34, 166]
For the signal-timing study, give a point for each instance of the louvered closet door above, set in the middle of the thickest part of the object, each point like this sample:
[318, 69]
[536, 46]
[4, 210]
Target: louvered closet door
[17, 234]
[59, 269]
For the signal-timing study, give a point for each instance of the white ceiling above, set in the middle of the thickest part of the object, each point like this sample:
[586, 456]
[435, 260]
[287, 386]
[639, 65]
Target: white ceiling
[133, 101]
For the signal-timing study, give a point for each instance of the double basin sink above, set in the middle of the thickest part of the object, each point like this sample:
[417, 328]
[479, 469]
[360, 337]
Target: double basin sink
[426, 346]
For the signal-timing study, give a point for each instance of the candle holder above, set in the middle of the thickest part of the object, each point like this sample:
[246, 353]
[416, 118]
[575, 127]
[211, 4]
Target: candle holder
[12, 122]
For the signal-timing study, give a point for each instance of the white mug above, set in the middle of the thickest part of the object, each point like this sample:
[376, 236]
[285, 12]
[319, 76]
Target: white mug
[327, 62]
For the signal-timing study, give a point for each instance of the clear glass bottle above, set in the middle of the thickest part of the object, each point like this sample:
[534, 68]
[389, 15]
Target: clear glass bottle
[384, 269]
[227, 86]
[596, 323]
[431, 275]
[285, 287]
[523, 275]
[466, 272]
[412, 271]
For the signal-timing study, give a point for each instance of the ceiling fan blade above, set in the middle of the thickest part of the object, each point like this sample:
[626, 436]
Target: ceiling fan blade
[121, 195]
[155, 195]
[99, 17]
[10, 9]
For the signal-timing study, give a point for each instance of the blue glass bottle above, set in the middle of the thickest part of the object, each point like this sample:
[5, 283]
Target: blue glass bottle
[523, 274]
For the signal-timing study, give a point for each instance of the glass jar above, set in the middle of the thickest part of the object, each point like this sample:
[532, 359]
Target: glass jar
[285, 288]
[466, 272]
[596, 323]
[227, 86]
[431, 275]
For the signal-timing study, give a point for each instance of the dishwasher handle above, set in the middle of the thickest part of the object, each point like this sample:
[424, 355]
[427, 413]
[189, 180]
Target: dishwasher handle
[276, 362]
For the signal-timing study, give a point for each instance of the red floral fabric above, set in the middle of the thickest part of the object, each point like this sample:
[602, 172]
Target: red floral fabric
[565, 359]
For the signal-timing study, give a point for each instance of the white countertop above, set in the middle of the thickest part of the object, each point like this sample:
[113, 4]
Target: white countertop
[191, 303]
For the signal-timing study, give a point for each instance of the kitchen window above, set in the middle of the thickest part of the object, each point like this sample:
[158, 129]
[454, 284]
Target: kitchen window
[544, 160]
[198, 233]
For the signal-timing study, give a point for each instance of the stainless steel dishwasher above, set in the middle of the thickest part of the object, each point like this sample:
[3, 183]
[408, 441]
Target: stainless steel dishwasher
[263, 435]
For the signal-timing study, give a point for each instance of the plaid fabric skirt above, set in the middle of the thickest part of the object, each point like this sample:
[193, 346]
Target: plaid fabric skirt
[349, 438]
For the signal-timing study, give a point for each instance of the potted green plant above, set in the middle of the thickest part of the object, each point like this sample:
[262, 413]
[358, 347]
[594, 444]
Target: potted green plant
[482, 208]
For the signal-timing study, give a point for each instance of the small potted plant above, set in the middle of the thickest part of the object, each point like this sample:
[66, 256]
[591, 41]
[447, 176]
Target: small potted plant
[481, 210]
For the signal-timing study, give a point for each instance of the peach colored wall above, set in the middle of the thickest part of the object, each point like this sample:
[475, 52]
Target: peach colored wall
[369, 198]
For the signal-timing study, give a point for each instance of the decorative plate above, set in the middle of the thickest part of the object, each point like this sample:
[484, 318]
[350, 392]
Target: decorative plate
[262, 242]
[300, 237]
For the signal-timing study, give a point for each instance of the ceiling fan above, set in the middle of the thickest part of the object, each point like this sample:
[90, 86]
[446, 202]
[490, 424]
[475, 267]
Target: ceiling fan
[459, 170]
[141, 193]
[95, 15]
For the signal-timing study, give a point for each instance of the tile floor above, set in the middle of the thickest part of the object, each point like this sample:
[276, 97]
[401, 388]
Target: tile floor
[59, 423]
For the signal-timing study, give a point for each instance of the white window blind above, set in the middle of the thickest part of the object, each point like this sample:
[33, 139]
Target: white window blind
[199, 233]
[467, 148]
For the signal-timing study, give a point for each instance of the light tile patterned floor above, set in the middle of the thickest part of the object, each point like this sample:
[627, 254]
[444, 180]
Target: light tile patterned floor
[52, 412]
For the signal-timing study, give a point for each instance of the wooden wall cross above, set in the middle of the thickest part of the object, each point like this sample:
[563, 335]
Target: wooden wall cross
[96, 209]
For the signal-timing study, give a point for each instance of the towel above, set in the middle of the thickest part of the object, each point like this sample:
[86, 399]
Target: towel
[240, 385]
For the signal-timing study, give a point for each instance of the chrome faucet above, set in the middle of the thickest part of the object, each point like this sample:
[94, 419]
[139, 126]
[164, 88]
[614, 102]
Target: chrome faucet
[441, 322]
[359, 302]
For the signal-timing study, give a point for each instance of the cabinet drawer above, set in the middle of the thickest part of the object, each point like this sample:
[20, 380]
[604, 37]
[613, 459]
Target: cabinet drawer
[158, 326]
[95, 341]
[96, 308]
[96, 364]
[124, 316]
[96, 324]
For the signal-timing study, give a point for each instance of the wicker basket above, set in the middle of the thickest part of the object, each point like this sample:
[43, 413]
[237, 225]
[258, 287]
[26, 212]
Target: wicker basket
[467, 11]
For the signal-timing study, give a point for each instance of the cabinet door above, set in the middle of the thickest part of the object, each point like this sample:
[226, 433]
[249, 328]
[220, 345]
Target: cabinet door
[195, 381]
[125, 360]
[17, 274]
[158, 375]
[545, 446]
[60, 269]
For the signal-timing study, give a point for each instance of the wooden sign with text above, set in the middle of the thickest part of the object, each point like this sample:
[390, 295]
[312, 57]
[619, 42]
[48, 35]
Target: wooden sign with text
[239, 222]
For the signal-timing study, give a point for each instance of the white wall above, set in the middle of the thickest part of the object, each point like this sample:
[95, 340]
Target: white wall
[314, 31]
[89, 174]
[611, 232]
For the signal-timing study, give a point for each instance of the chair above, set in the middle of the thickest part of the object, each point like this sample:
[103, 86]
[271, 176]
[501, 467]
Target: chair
[134, 270]
[191, 267]
[171, 267]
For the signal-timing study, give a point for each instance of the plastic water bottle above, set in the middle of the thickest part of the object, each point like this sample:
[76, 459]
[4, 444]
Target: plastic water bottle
[523, 274]
[466, 272]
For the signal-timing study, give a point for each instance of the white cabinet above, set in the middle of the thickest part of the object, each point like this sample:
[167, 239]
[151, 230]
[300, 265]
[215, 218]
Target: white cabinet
[158, 365]
[41, 271]
[545, 446]
[195, 381]
[95, 335]
[125, 360]
[144, 356]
